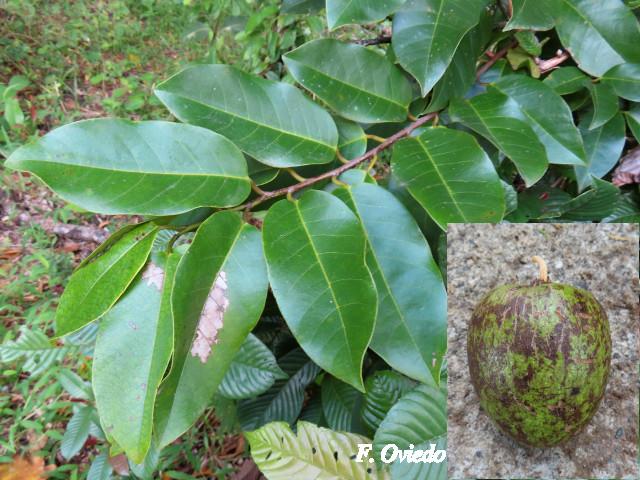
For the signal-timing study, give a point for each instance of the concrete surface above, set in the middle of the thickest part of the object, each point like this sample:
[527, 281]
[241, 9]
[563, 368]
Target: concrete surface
[602, 258]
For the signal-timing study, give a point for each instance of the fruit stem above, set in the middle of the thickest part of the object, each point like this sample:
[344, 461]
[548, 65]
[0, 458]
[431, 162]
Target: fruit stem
[543, 267]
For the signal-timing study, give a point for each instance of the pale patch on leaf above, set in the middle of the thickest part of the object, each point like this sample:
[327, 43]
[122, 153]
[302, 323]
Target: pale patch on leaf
[211, 319]
[153, 275]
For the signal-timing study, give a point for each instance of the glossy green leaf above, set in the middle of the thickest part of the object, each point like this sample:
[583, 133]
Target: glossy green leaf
[595, 204]
[495, 117]
[426, 34]
[253, 371]
[625, 211]
[605, 104]
[104, 246]
[148, 168]
[340, 74]
[283, 401]
[511, 197]
[271, 121]
[431, 471]
[310, 453]
[633, 121]
[94, 288]
[352, 141]
[411, 326]
[220, 291]
[77, 432]
[418, 418]
[448, 173]
[315, 250]
[302, 6]
[384, 389]
[133, 348]
[260, 173]
[344, 12]
[338, 403]
[566, 80]
[625, 80]
[604, 147]
[599, 33]
[539, 202]
[548, 115]
[530, 15]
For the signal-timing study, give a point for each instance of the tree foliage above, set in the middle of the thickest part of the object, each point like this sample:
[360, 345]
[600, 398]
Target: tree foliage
[332, 183]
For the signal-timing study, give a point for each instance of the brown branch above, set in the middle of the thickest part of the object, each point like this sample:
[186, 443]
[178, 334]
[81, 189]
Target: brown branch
[492, 60]
[374, 41]
[551, 63]
[342, 168]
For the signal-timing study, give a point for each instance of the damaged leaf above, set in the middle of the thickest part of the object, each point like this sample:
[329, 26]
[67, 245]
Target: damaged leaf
[211, 319]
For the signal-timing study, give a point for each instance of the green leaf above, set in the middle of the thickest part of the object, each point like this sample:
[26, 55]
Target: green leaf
[539, 202]
[75, 385]
[253, 371]
[315, 452]
[344, 12]
[448, 173]
[625, 80]
[271, 121]
[566, 80]
[432, 471]
[132, 352]
[411, 326]
[352, 141]
[35, 349]
[77, 432]
[625, 211]
[604, 147]
[530, 15]
[418, 418]
[633, 120]
[384, 389]
[605, 104]
[315, 250]
[511, 198]
[261, 173]
[495, 117]
[100, 468]
[338, 403]
[594, 204]
[148, 168]
[548, 115]
[426, 34]
[302, 6]
[94, 288]
[341, 74]
[599, 34]
[219, 294]
[529, 43]
[283, 401]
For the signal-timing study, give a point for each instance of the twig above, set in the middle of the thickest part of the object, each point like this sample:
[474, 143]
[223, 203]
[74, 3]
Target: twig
[491, 62]
[342, 168]
[373, 41]
[551, 63]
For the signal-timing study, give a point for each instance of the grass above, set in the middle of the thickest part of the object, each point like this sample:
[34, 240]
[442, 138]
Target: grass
[60, 62]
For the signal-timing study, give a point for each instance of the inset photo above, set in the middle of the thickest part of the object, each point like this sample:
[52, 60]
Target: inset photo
[542, 350]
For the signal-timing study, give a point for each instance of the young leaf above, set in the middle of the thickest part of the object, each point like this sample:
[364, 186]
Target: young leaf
[604, 146]
[548, 115]
[338, 403]
[418, 418]
[94, 288]
[342, 75]
[219, 293]
[116, 166]
[450, 175]
[315, 452]
[495, 117]
[283, 401]
[625, 80]
[344, 12]
[77, 432]
[132, 352]
[605, 104]
[411, 325]
[566, 80]
[426, 34]
[253, 371]
[528, 15]
[271, 121]
[599, 35]
[384, 389]
[315, 251]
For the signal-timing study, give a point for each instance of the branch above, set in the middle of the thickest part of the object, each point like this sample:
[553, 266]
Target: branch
[342, 168]
[374, 41]
[492, 60]
[551, 63]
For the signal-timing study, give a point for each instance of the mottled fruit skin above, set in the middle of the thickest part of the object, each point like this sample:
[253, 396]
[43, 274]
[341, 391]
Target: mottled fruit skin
[539, 358]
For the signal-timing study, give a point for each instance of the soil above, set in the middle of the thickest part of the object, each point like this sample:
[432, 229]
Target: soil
[602, 258]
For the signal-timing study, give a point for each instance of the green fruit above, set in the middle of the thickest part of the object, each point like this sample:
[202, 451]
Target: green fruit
[539, 358]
